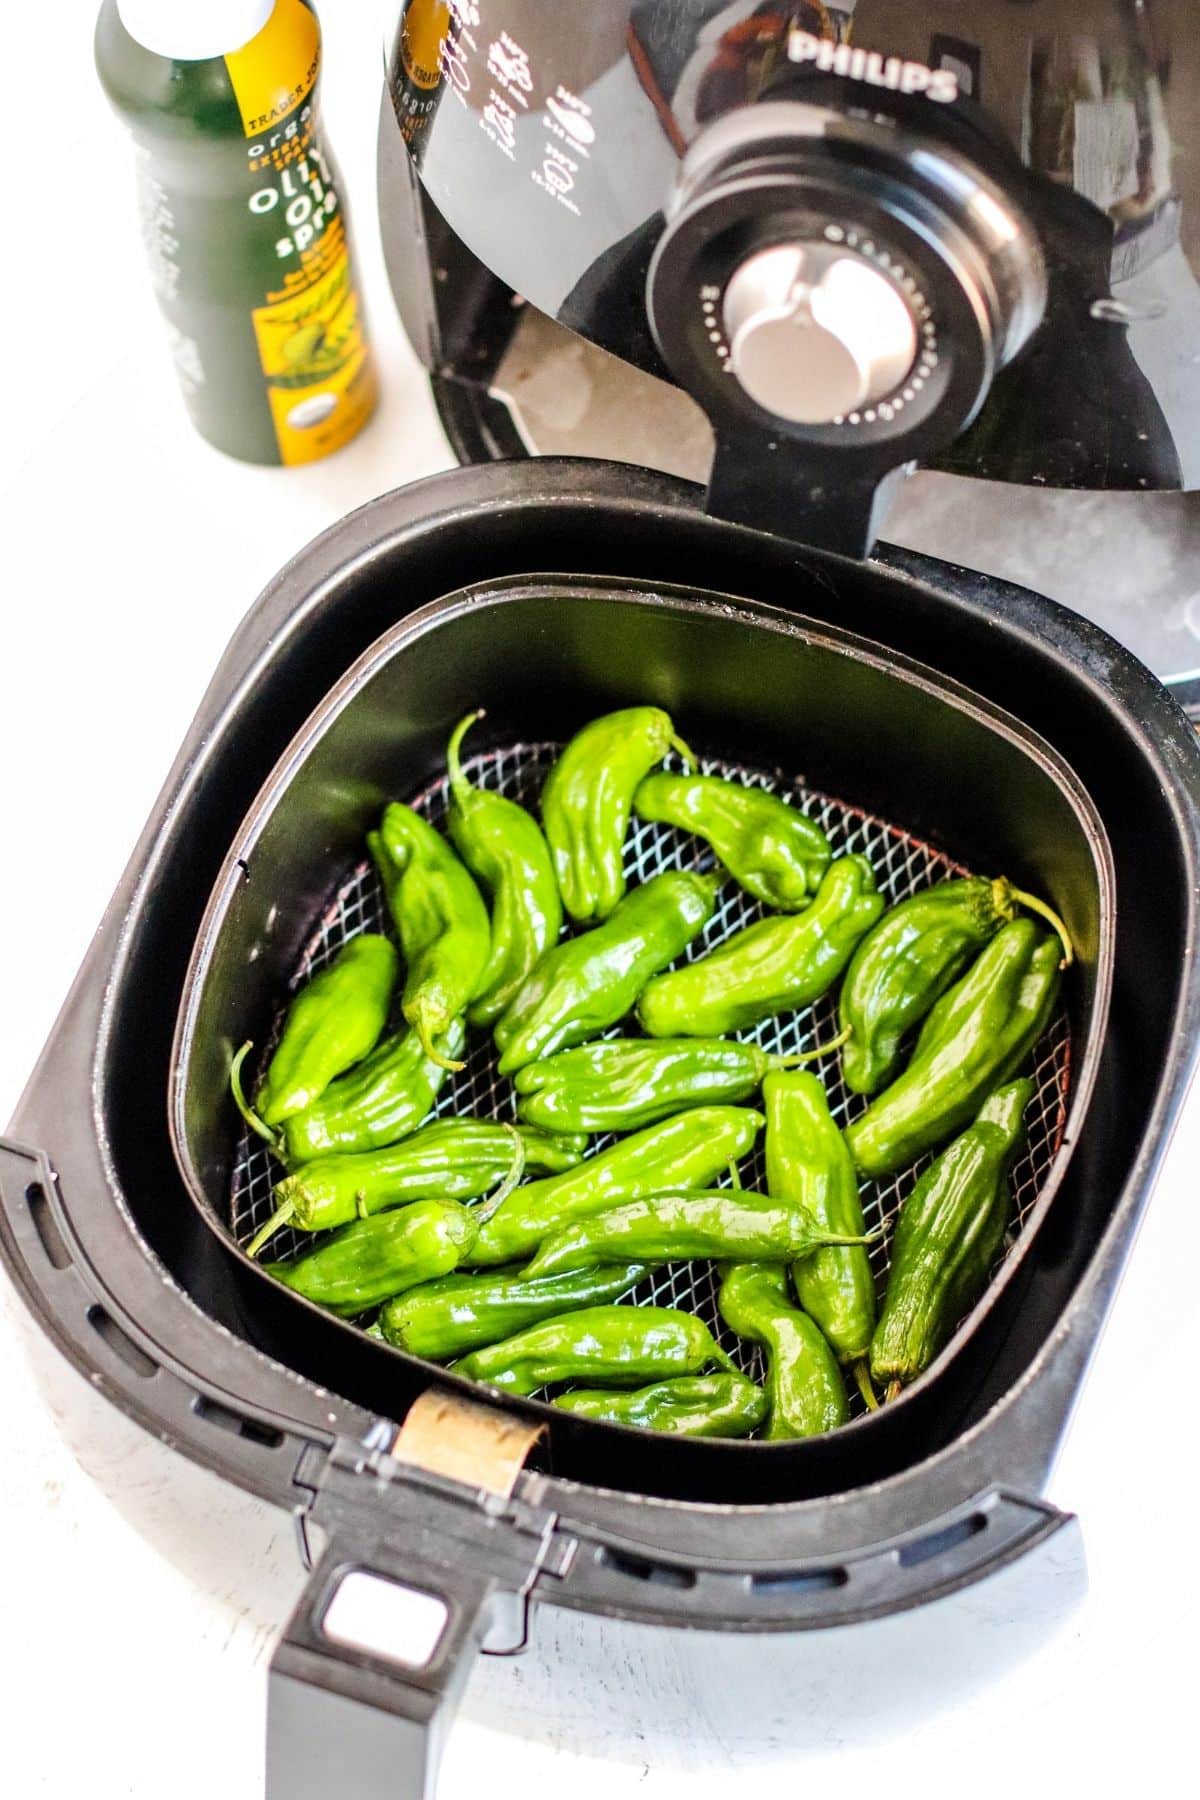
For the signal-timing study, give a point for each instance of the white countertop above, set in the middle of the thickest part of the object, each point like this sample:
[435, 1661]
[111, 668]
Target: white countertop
[131, 552]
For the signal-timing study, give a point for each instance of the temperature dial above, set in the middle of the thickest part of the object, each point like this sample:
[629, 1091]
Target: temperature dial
[816, 332]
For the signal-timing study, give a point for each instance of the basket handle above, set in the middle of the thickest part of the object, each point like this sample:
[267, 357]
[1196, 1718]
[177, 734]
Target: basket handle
[367, 1675]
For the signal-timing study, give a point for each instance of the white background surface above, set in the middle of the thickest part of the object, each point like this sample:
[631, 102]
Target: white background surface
[130, 551]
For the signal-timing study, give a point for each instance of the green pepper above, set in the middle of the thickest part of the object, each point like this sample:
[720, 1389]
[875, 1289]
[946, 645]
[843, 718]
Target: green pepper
[589, 982]
[588, 798]
[907, 962]
[770, 967]
[441, 920]
[946, 1239]
[377, 1103]
[726, 1405]
[452, 1159]
[447, 1318]
[809, 1166]
[504, 849]
[769, 848]
[978, 1036]
[621, 1083]
[805, 1391]
[550, 1152]
[687, 1151]
[367, 1262]
[334, 1021]
[602, 1343]
[732, 1224]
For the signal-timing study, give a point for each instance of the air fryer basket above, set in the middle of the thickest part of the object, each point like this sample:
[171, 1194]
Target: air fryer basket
[328, 787]
[952, 706]
[927, 778]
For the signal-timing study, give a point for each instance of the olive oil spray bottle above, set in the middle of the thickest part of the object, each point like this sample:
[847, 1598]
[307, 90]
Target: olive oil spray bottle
[243, 220]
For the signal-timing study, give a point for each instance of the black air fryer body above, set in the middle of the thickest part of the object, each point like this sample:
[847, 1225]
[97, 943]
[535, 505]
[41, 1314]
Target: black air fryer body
[672, 180]
[411, 1482]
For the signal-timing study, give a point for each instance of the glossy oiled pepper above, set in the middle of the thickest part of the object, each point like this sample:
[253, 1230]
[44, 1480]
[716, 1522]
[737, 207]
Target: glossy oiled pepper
[808, 1165]
[978, 1035]
[946, 1239]
[725, 1405]
[452, 1159]
[770, 967]
[334, 1021]
[377, 1103]
[688, 1151]
[621, 1083]
[504, 849]
[589, 982]
[588, 798]
[623, 1344]
[369, 1261]
[805, 1391]
[726, 1223]
[770, 849]
[441, 920]
[907, 962]
[463, 1312]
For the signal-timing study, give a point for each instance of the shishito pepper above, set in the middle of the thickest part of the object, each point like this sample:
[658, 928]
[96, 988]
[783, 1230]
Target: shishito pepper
[369, 1261]
[452, 1159]
[726, 1223]
[623, 1344]
[809, 1166]
[334, 1021]
[588, 798]
[619, 1084]
[441, 920]
[805, 1391]
[725, 1405]
[589, 982]
[687, 1151]
[378, 1103]
[769, 848]
[770, 967]
[447, 1318]
[977, 1036]
[907, 962]
[503, 847]
[947, 1236]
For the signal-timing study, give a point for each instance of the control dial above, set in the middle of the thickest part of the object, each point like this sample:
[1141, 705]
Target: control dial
[815, 332]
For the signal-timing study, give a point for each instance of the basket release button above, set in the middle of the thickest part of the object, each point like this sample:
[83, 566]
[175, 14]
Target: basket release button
[385, 1618]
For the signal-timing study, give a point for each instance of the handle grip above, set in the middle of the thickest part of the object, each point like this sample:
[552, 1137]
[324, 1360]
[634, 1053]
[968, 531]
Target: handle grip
[367, 1676]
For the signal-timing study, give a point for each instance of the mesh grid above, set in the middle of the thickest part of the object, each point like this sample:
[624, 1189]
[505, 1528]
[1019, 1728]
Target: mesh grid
[902, 866]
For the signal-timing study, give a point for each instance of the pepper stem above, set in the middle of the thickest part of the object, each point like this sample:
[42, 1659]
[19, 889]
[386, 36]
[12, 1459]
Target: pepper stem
[866, 1387]
[243, 1105]
[893, 1390]
[690, 759]
[460, 787]
[818, 1050]
[279, 1218]
[420, 1024]
[1034, 905]
[511, 1179]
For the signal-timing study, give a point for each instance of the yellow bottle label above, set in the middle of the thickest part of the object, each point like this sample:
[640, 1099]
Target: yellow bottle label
[321, 385]
[321, 381]
[276, 70]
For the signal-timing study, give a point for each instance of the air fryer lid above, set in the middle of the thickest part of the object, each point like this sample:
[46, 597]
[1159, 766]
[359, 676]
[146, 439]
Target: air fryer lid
[764, 689]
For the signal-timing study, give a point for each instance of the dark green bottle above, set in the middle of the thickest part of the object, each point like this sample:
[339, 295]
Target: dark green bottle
[242, 219]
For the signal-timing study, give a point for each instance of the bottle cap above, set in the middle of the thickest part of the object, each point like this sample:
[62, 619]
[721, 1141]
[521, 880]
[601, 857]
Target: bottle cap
[193, 30]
